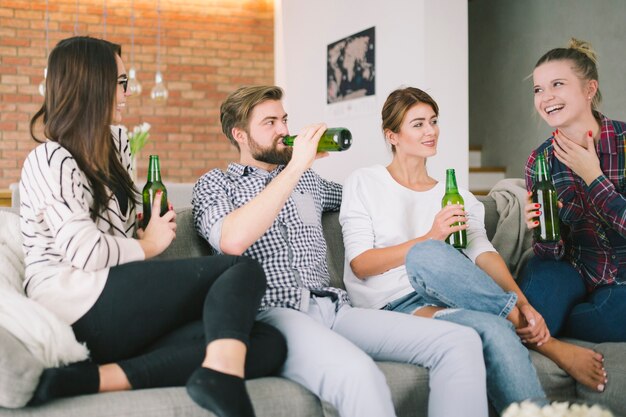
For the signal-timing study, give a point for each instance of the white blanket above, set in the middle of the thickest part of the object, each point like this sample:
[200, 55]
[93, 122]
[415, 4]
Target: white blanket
[44, 335]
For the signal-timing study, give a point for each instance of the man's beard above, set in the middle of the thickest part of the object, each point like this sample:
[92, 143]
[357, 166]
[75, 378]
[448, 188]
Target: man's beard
[271, 154]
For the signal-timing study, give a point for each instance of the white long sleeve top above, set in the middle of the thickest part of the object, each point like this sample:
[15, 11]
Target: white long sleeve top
[67, 254]
[378, 212]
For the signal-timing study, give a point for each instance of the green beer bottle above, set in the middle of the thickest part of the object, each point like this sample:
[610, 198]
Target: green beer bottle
[545, 194]
[153, 185]
[452, 196]
[334, 139]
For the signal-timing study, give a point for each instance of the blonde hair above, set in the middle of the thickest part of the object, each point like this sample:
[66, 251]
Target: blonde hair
[585, 61]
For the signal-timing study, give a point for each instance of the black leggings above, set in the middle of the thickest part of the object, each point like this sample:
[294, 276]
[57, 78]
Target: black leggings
[155, 318]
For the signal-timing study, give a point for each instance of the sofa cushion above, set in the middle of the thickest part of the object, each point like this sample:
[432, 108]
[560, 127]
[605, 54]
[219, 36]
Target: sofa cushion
[271, 397]
[49, 339]
[19, 371]
[189, 244]
[615, 365]
[335, 249]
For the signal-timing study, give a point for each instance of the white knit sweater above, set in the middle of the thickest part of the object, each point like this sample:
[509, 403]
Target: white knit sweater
[377, 212]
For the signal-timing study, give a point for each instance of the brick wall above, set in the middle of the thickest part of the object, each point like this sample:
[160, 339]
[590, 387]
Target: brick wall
[208, 48]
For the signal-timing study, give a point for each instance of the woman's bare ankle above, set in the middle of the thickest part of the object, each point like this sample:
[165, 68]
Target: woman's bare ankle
[427, 311]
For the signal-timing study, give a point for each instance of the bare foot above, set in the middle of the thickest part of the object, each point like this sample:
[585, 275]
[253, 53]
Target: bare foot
[584, 365]
[427, 311]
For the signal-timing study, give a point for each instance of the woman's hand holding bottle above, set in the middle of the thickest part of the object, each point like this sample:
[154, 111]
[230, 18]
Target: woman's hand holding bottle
[161, 230]
[444, 220]
[533, 210]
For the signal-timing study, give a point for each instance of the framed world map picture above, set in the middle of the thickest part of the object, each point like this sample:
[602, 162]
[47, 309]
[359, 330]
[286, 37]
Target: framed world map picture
[351, 67]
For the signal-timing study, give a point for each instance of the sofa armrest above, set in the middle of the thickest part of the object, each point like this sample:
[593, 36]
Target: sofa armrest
[491, 214]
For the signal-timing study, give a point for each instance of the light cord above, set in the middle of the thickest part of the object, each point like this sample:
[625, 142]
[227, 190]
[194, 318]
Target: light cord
[132, 33]
[104, 19]
[76, 19]
[158, 35]
[47, 28]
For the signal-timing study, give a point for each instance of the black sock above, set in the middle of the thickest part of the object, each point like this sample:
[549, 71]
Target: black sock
[223, 394]
[74, 379]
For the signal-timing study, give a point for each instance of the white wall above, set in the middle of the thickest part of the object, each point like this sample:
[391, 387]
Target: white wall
[420, 43]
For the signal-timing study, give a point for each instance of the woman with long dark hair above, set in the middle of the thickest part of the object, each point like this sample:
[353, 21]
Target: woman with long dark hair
[146, 323]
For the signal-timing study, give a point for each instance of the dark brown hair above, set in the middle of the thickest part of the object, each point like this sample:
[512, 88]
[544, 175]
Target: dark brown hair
[77, 112]
[236, 109]
[398, 104]
[585, 61]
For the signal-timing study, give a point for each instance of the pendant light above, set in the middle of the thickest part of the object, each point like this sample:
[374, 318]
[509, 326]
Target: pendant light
[134, 87]
[159, 92]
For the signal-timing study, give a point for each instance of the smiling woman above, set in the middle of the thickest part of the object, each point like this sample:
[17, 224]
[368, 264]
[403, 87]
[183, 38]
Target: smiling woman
[577, 282]
[394, 232]
[86, 257]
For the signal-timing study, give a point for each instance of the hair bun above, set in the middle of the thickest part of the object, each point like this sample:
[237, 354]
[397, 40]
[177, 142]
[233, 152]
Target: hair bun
[584, 48]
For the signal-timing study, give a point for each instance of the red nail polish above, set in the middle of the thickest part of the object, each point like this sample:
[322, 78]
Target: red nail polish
[557, 131]
[536, 221]
[537, 213]
[537, 205]
[590, 133]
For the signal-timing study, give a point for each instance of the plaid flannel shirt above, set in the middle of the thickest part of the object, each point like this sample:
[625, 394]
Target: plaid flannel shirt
[293, 250]
[593, 217]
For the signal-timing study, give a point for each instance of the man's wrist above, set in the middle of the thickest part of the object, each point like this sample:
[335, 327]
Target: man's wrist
[293, 171]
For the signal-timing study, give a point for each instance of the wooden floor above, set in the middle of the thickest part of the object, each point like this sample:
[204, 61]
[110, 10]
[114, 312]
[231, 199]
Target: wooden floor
[5, 197]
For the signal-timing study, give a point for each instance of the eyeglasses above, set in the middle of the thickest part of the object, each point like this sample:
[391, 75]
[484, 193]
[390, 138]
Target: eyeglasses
[124, 83]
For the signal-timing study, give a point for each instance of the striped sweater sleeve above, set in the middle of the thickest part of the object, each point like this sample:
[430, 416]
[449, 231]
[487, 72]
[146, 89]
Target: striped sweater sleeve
[57, 192]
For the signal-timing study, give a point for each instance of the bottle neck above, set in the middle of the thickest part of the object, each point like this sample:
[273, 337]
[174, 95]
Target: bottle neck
[542, 169]
[154, 169]
[288, 140]
[451, 182]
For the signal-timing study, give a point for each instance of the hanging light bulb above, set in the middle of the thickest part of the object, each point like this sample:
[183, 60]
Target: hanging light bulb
[134, 87]
[159, 92]
[42, 84]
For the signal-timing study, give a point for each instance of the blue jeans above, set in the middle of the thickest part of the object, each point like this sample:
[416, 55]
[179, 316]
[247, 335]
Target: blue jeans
[442, 276]
[557, 290]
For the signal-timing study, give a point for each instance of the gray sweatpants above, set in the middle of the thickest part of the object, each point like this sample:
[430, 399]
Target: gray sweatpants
[331, 353]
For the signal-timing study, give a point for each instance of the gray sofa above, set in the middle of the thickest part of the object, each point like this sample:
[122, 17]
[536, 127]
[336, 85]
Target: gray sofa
[277, 397]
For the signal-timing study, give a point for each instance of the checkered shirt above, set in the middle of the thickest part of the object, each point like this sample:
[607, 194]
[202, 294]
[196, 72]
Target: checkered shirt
[593, 217]
[293, 250]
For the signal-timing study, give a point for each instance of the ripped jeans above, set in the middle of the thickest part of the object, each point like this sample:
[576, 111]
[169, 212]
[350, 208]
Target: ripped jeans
[442, 276]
